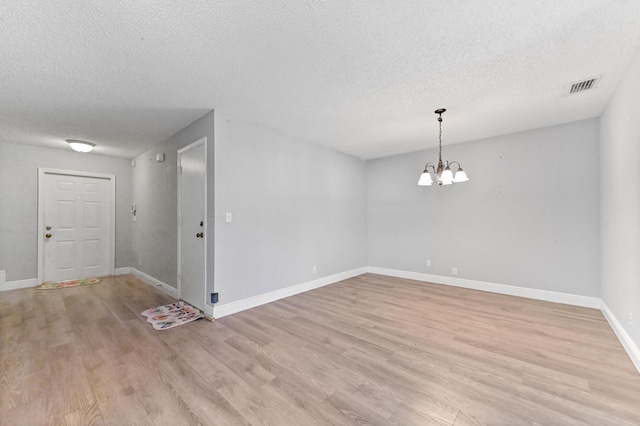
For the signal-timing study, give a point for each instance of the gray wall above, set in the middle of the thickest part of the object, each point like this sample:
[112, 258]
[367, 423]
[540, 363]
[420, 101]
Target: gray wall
[155, 186]
[620, 201]
[19, 202]
[527, 217]
[294, 205]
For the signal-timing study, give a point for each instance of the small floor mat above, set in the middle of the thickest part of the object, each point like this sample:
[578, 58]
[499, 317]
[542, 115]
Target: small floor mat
[48, 285]
[173, 315]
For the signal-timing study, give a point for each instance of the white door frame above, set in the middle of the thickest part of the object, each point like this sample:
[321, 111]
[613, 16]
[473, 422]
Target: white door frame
[42, 171]
[196, 144]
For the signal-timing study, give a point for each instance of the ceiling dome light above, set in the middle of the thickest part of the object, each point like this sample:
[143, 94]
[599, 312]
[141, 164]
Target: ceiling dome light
[80, 146]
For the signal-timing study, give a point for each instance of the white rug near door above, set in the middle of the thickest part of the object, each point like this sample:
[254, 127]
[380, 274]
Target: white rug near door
[173, 315]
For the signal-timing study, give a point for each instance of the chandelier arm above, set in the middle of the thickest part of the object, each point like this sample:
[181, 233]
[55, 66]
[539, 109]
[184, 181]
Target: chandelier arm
[452, 162]
[433, 167]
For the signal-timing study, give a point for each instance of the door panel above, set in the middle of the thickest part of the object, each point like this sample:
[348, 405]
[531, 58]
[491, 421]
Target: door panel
[91, 254]
[66, 255]
[191, 276]
[77, 210]
[91, 215]
[66, 214]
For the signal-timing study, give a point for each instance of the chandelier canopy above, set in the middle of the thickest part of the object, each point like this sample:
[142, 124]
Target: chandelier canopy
[442, 173]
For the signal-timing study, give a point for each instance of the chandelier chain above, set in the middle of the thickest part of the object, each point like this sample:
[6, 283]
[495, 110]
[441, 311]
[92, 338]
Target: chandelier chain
[440, 138]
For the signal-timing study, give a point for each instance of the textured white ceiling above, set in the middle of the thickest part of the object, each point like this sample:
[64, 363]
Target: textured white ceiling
[360, 76]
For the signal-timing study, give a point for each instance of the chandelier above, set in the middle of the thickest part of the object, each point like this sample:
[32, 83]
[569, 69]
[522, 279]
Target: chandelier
[442, 173]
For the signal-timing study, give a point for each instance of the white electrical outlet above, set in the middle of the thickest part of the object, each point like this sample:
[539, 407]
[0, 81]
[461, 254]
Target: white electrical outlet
[454, 271]
[229, 217]
[314, 269]
[428, 262]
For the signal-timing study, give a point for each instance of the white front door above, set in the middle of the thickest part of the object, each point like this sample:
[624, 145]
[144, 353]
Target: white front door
[192, 226]
[77, 227]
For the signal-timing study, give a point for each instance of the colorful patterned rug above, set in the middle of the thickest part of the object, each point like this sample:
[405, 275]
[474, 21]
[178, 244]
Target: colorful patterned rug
[173, 315]
[48, 285]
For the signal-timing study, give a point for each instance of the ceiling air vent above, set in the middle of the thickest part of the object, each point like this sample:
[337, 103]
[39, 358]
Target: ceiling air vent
[583, 85]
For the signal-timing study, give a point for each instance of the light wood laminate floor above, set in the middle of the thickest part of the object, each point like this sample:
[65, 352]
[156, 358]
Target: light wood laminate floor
[368, 350]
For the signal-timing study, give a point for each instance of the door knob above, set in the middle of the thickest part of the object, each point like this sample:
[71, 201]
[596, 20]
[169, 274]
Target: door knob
[199, 235]
[48, 236]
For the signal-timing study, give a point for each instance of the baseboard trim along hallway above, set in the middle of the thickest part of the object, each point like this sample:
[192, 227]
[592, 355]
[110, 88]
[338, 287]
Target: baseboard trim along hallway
[18, 284]
[261, 299]
[163, 287]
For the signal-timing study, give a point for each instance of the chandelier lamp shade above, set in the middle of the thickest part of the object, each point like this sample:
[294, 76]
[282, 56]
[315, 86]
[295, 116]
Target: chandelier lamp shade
[442, 173]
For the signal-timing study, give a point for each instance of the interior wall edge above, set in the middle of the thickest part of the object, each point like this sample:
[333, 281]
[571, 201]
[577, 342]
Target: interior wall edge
[627, 342]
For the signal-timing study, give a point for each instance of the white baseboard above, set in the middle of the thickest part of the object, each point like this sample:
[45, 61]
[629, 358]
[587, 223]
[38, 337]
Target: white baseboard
[163, 287]
[208, 311]
[629, 345]
[549, 296]
[251, 302]
[122, 271]
[15, 285]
